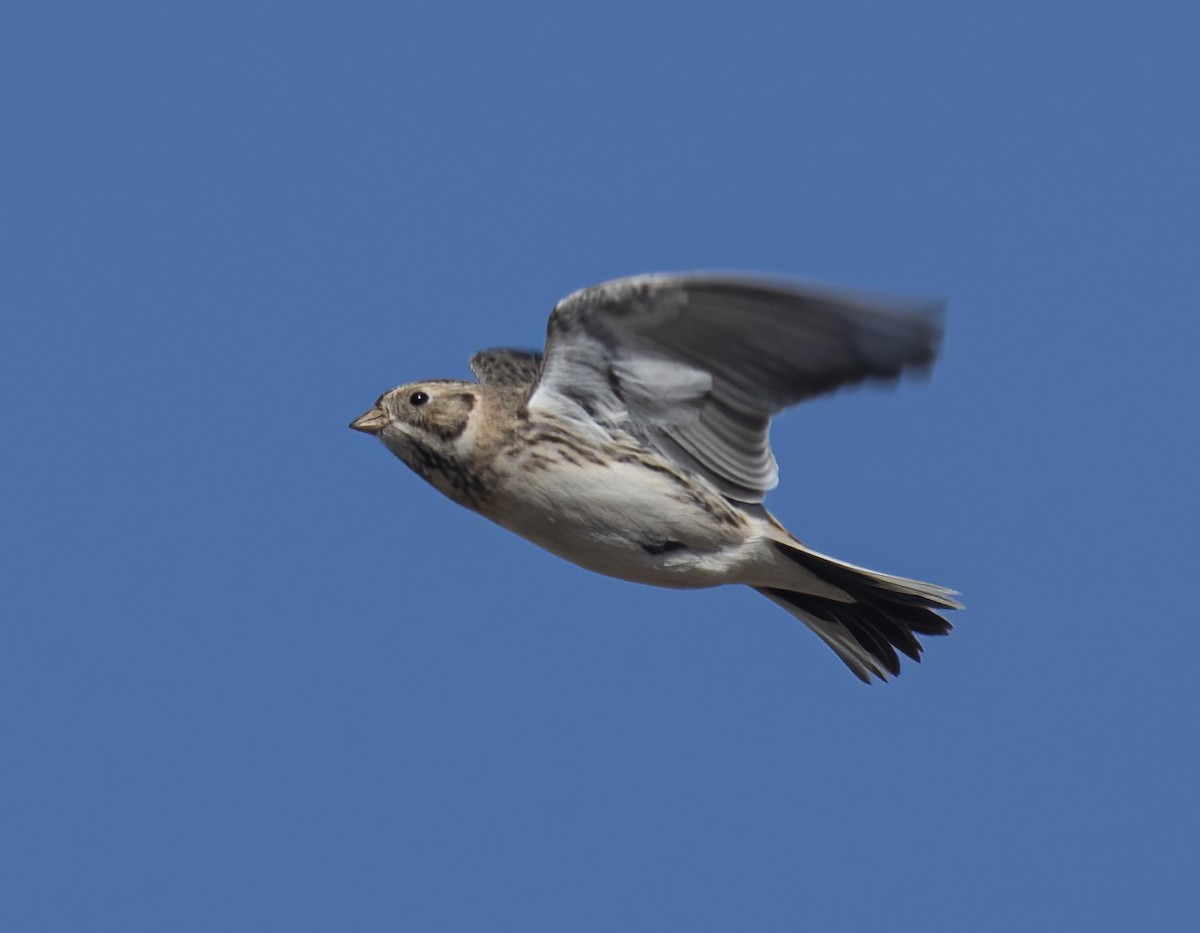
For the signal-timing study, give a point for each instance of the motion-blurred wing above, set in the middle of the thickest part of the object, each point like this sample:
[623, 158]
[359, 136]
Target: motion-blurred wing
[698, 364]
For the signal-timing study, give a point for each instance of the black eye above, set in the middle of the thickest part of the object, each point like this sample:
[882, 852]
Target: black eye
[418, 398]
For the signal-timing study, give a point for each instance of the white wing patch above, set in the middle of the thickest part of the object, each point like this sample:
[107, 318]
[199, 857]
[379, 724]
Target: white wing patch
[666, 390]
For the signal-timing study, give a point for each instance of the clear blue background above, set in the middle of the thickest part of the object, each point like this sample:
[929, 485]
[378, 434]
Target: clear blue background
[255, 675]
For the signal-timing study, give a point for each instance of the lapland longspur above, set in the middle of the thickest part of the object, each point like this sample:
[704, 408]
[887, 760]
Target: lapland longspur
[636, 444]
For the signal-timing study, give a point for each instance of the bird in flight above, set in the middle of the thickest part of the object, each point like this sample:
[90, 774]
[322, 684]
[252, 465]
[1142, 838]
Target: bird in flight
[635, 445]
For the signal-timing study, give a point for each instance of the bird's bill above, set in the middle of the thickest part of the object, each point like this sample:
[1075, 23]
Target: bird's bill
[370, 422]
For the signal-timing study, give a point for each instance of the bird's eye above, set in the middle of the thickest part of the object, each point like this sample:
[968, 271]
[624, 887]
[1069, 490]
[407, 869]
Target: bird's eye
[418, 398]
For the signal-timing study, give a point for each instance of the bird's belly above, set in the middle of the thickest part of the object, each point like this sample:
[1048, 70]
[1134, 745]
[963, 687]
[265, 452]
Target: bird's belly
[629, 522]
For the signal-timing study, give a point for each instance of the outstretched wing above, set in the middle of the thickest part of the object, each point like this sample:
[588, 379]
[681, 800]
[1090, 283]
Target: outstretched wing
[698, 364]
[506, 366]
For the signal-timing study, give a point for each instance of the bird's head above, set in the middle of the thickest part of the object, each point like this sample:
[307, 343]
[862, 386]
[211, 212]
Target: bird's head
[428, 425]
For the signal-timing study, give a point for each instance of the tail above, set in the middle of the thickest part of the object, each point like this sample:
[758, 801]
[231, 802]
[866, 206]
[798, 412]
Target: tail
[885, 612]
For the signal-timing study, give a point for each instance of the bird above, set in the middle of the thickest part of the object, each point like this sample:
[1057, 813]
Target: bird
[636, 444]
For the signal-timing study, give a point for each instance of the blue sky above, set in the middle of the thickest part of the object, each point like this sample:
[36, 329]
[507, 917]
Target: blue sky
[255, 675]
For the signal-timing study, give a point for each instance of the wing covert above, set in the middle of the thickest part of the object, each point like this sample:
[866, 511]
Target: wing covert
[506, 366]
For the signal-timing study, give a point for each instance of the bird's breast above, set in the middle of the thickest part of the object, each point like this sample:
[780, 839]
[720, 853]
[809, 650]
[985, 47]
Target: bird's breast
[629, 515]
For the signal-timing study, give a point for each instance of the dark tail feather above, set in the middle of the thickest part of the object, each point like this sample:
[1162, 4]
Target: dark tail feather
[887, 613]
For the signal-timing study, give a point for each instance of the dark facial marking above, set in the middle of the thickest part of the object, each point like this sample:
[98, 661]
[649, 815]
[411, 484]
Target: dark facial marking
[448, 431]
